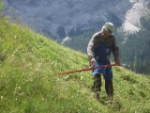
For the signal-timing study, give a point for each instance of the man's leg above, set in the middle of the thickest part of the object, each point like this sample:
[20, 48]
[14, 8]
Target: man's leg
[97, 85]
[109, 82]
[109, 87]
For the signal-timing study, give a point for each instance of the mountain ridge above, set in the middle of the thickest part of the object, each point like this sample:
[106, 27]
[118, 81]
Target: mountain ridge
[74, 17]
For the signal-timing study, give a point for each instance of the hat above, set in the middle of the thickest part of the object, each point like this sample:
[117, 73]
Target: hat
[109, 27]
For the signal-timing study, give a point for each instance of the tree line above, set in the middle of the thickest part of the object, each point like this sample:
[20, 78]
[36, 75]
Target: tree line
[136, 50]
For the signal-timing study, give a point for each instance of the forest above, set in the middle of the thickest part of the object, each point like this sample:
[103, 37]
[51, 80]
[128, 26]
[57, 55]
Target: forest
[136, 50]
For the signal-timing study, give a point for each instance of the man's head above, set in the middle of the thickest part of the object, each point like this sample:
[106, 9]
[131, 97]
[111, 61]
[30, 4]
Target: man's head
[107, 29]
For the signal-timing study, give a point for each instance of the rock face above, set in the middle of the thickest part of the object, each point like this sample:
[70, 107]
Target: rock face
[61, 18]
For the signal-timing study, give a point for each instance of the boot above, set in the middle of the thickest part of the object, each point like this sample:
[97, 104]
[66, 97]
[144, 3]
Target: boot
[96, 88]
[97, 95]
[109, 88]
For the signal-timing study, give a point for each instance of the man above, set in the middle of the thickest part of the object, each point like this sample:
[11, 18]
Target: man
[99, 50]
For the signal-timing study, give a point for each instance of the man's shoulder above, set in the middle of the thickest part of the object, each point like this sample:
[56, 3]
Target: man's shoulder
[112, 37]
[97, 34]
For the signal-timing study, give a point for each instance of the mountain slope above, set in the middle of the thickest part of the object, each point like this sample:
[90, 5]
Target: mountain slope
[132, 18]
[29, 80]
[75, 16]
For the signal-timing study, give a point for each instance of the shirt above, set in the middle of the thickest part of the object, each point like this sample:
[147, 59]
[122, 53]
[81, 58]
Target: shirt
[95, 41]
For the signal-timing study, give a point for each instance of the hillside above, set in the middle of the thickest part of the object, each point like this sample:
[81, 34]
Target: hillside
[29, 80]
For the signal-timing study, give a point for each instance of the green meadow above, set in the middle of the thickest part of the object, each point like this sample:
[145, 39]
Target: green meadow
[30, 82]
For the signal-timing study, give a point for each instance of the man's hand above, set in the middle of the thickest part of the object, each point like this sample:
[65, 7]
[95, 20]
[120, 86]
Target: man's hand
[118, 62]
[92, 62]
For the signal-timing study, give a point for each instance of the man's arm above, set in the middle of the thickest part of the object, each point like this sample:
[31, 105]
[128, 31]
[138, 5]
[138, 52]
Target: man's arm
[90, 48]
[92, 44]
[115, 51]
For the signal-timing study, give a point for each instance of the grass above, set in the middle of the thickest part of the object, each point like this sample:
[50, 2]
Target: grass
[30, 83]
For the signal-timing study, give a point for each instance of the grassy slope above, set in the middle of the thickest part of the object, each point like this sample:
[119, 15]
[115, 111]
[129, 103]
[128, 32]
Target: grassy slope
[29, 80]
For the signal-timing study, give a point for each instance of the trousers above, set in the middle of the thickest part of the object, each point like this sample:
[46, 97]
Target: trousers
[98, 83]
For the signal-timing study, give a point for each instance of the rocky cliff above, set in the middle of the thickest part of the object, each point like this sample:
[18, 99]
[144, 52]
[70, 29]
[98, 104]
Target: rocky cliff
[61, 18]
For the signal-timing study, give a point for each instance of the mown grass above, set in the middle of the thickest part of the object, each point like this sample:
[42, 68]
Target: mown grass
[30, 82]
